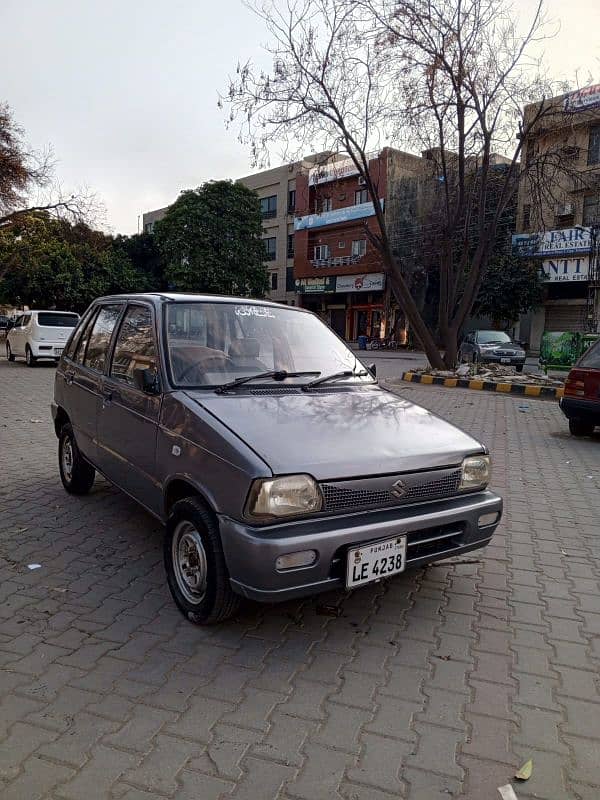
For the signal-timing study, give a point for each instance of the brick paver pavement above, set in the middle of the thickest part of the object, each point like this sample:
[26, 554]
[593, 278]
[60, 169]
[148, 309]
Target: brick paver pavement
[433, 685]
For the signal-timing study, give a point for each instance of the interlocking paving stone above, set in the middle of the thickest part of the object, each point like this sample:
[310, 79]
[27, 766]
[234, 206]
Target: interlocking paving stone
[435, 684]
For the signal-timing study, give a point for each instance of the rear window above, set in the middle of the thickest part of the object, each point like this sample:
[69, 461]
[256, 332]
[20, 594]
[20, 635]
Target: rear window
[51, 319]
[591, 359]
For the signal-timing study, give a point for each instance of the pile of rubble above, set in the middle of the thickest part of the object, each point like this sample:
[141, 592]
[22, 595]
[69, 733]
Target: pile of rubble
[495, 373]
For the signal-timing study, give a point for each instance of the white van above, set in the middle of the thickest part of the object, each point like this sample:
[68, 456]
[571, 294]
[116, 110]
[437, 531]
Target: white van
[40, 334]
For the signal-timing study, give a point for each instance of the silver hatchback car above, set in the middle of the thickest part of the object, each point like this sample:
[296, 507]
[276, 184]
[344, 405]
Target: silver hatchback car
[279, 465]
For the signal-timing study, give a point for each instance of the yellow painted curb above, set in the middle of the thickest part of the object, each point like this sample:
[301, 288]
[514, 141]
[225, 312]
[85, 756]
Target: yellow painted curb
[533, 391]
[408, 376]
[504, 387]
[475, 384]
[450, 381]
[560, 392]
[426, 378]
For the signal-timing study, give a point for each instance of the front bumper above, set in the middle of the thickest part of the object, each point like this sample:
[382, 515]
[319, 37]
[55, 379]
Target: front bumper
[435, 530]
[585, 410]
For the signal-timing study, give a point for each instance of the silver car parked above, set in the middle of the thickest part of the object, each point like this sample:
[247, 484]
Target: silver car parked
[492, 347]
[279, 465]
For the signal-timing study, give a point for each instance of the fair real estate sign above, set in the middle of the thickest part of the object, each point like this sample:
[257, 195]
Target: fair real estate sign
[557, 270]
[565, 242]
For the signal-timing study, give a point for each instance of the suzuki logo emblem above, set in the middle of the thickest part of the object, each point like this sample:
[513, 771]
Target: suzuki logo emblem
[399, 489]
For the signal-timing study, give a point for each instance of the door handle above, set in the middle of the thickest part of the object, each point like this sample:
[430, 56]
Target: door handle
[69, 377]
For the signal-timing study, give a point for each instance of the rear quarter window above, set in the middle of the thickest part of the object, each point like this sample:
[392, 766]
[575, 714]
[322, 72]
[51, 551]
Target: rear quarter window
[591, 359]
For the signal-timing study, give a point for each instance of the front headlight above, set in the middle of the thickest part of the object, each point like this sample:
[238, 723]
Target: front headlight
[476, 471]
[290, 495]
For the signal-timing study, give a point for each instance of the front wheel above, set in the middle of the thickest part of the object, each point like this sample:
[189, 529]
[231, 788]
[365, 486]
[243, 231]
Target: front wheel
[9, 353]
[76, 474]
[578, 427]
[30, 359]
[195, 564]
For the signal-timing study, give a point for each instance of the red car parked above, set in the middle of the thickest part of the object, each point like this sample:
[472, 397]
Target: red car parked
[581, 401]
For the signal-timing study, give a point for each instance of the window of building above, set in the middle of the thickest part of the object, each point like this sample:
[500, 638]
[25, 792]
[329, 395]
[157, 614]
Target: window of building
[97, 348]
[268, 206]
[291, 201]
[270, 248]
[273, 281]
[594, 145]
[290, 245]
[134, 348]
[341, 245]
[359, 247]
[326, 204]
[361, 196]
[526, 217]
[322, 252]
[290, 282]
[591, 209]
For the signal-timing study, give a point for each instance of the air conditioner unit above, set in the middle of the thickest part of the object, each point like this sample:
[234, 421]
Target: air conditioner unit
[565, 210]
[361, 181]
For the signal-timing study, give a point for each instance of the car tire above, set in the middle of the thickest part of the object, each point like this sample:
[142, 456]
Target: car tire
[9, 353]
[519, 367]
[76, 474]
[577, 427]
[30, 359]
[201, 589]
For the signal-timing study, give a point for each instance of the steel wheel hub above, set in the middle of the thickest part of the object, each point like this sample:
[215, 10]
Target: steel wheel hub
[189, 562]
[67, 458]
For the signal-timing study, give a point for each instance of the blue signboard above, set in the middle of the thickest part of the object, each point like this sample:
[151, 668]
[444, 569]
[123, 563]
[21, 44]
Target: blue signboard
[565, 242]
[337, 215]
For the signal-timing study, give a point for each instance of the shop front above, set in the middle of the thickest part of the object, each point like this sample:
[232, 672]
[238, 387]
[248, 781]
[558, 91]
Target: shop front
[353, 305]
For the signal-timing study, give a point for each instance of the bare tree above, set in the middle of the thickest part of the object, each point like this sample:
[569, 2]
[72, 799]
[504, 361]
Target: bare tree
[28, 183]
[450, 77]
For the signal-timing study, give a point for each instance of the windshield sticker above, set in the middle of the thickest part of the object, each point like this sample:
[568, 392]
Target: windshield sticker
[253, 311]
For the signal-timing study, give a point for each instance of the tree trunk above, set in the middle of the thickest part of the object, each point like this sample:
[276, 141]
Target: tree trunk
[450, 345]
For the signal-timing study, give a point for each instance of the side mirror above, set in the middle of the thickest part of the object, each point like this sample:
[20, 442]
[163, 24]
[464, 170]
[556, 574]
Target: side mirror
[372, 369]
[146, 380]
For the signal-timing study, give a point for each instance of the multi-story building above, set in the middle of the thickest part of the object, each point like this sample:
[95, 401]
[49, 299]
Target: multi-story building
[339, 272]
[276, 189]
[558, 215]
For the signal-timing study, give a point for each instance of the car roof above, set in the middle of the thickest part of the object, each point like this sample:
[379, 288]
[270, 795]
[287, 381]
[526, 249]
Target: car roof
[46, 311]
[181, 297]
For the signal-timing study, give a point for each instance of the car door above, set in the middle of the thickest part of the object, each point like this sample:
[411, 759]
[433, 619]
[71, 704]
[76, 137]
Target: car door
[467, 345]
[83, 376]
[129, 412]
[18, 337]
[12, 335]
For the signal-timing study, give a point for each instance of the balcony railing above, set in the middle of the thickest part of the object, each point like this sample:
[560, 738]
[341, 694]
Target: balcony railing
[271, 214]
[337, 261]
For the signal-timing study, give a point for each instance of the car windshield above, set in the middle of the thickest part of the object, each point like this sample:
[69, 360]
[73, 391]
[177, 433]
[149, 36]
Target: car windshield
[210, 344]
[54, 319]
[492, 337]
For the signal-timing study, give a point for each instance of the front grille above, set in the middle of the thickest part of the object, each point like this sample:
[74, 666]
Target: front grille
[419, 487]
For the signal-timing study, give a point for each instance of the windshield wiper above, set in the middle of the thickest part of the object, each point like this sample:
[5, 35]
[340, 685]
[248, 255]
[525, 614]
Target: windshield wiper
[276, 374]
[347, 373]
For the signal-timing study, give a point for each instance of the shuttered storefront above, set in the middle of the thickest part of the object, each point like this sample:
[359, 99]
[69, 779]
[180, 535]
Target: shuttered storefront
[566, 317]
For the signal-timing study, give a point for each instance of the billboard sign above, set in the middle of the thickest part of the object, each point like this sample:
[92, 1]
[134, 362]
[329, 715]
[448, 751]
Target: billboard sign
[557, 270]
[583, 99]
[373, 282]
[346, 214]
[334, 171]
[324, 284]
[566, 242]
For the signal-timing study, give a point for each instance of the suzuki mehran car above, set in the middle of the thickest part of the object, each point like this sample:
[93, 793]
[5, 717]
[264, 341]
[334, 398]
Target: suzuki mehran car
[279, 465]
[581, 400]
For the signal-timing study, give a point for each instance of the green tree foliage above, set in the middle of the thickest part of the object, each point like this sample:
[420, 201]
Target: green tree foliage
[210, 241]
[511, 286]
[49, 263]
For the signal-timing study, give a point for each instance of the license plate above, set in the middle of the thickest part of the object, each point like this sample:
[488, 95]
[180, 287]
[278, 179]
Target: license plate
[58, 351]
[374, 561]
[505, 360]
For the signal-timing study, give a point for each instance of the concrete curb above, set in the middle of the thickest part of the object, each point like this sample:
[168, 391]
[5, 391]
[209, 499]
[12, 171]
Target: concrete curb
[527, 390]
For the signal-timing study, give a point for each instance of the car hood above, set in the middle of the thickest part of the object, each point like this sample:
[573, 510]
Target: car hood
[340, 433]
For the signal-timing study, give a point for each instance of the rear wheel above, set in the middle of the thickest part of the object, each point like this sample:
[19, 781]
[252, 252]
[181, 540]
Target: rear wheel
[519, 367]
[76, 474]
[9, 353]
[30, 359]
[578, 427]
[195, 564]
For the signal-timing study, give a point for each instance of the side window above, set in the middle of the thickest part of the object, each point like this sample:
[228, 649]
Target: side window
[84, 338]
[25, 320]
[99, 341]
[77, 336]
[134, 348]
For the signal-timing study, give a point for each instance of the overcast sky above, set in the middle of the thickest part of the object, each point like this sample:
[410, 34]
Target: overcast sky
[126, 92]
